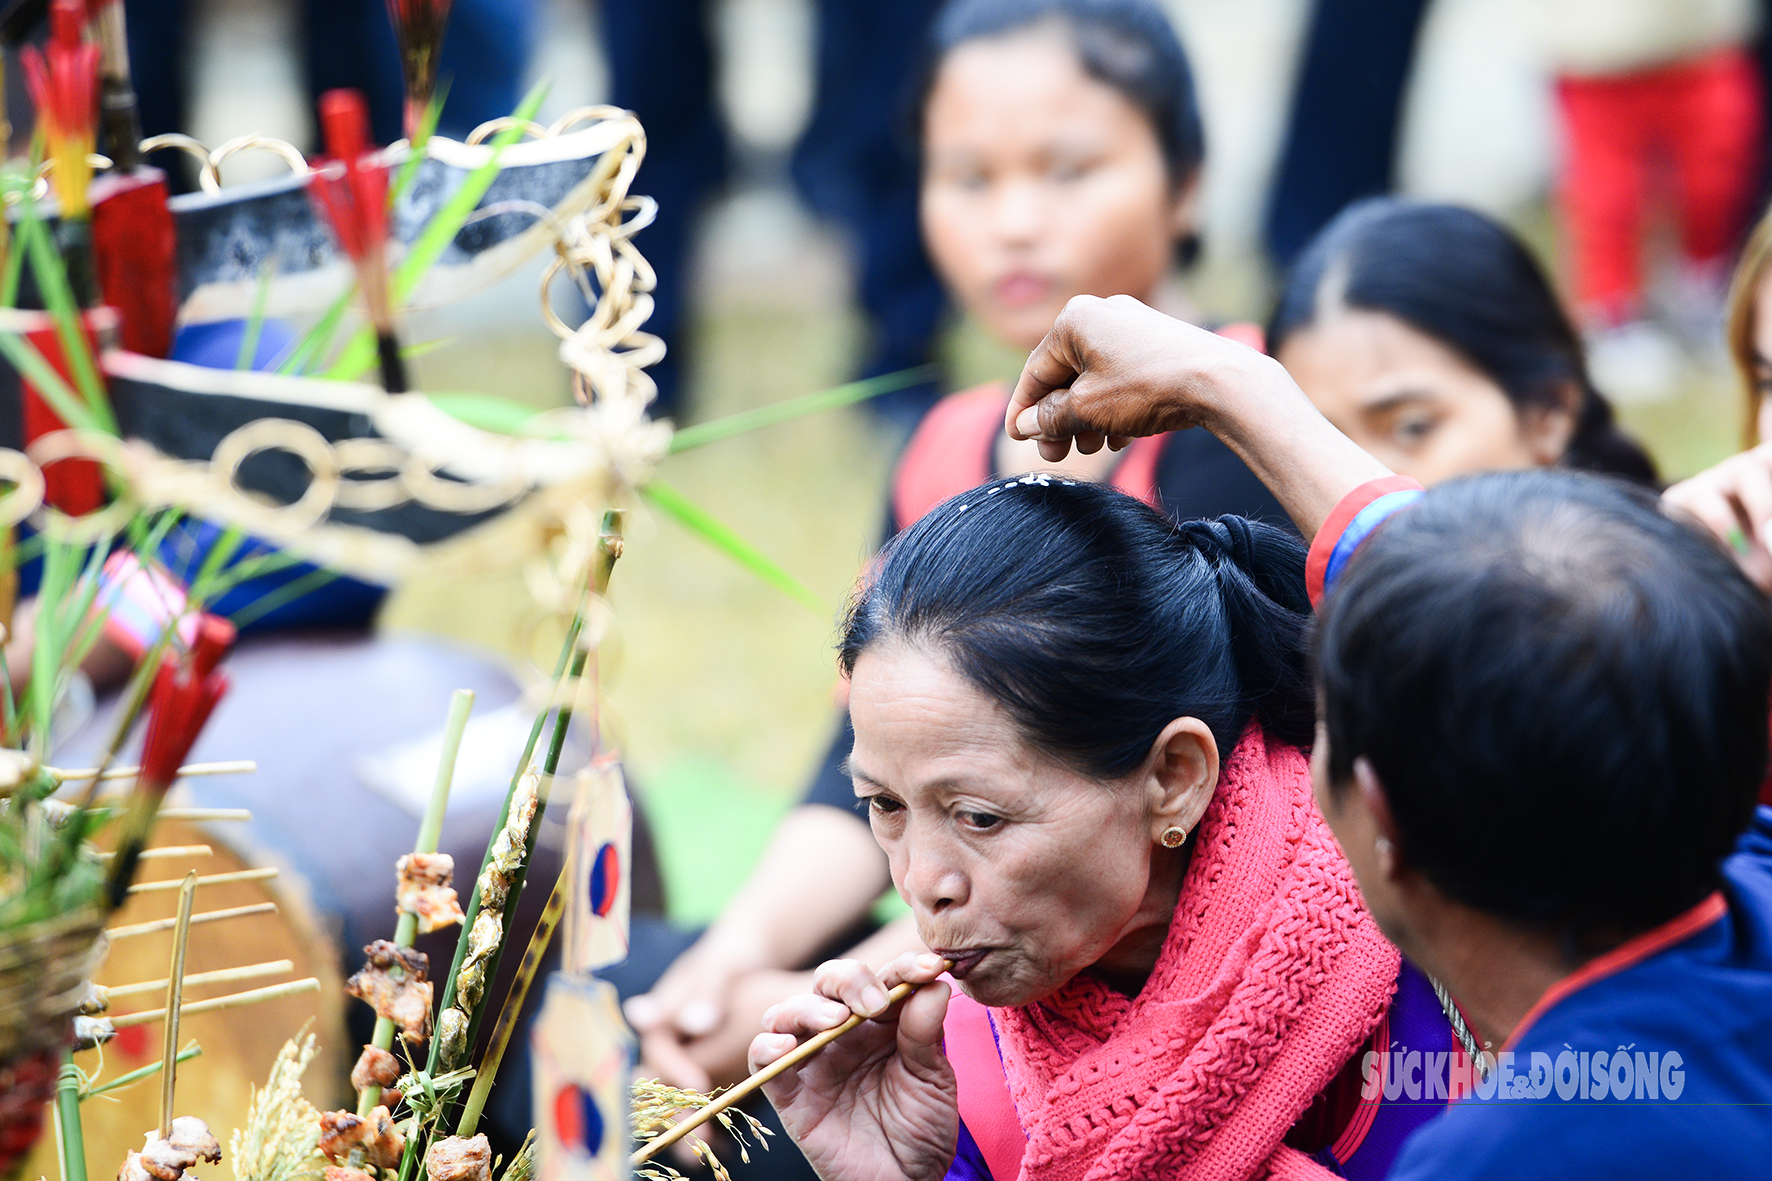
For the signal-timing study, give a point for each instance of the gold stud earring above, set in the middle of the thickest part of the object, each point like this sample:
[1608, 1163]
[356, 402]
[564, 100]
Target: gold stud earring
[1173, 837]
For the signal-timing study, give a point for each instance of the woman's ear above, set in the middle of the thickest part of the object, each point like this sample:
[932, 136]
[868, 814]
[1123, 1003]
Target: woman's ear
[1180, 777]
[1547, 430]
[1386, 844]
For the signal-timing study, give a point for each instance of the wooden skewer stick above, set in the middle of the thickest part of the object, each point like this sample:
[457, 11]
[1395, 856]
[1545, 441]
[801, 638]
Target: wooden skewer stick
[208, 916]
[214, 879]
[165, 851]
[175, 992]
[233, 1001]
[222, 976]
[205, 814]
[189, 770]
[725, 1099]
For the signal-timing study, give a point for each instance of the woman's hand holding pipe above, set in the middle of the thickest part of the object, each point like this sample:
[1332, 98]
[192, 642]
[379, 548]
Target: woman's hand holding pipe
[878, 1104]
[1112, 369]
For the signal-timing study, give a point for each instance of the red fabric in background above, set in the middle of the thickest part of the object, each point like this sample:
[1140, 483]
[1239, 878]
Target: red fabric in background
[1693, 129]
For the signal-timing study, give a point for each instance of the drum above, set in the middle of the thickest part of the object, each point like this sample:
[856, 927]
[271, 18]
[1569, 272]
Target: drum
[338, 725]
[239, 1045]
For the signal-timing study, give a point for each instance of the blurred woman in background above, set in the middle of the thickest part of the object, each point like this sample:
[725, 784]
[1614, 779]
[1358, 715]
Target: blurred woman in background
[1734, 498]
[1429, 336]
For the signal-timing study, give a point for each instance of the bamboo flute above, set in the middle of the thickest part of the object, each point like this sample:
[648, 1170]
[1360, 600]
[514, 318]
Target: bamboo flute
[725, 1099]
[430, 831]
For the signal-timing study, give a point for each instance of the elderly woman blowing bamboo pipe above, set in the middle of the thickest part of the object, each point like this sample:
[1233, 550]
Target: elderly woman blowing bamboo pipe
[1539, 796]
[1083, 758]
[1062, 146]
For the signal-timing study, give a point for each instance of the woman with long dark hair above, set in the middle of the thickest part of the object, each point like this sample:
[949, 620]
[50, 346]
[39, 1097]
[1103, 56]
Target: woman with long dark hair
[1430, 336]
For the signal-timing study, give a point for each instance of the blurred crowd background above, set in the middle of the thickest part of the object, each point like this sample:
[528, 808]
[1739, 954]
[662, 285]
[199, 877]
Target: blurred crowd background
[719, 688]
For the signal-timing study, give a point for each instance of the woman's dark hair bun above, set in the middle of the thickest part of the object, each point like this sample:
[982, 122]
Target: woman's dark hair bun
[1095, 621]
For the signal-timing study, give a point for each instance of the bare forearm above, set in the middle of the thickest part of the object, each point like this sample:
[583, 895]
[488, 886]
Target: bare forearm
[1113, 369]
[1309, 466]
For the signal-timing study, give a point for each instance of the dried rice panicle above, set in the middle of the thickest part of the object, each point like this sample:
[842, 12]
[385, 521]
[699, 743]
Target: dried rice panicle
[656, 1107]
[522, 1166]
[281, 1138]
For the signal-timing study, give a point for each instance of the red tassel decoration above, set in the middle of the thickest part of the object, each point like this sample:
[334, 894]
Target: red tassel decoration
[178, 706]
[418, 27]
[352, 190]
[63, 80]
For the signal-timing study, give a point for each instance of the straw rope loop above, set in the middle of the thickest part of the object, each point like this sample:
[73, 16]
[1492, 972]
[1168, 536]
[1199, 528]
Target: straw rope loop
[280, 434]
[108, 451]
[370, 457]
[26, 479]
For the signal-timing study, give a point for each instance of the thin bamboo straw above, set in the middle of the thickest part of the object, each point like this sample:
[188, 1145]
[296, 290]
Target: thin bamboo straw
[136, 1076]
[236, 1000]
[792, 1058]
[430, 831]
[188, 771]
[165, 851]
[208, 916]
[214, 879]
[221, 976]
[175, 993]
[206, 814]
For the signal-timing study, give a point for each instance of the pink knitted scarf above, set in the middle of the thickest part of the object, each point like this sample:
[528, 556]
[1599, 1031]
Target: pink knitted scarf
[1271, 977]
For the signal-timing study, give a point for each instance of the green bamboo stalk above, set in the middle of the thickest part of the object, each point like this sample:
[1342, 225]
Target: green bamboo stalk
[609, 548]
[571, 662]
[430, 830]
[70, 1141]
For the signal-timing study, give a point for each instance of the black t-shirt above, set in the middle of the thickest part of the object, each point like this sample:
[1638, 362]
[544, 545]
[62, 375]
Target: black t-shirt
[1197, 476]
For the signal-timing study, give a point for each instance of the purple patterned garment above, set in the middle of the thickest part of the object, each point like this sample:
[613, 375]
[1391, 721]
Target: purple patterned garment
[968, 1160]
[1418, 1024]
